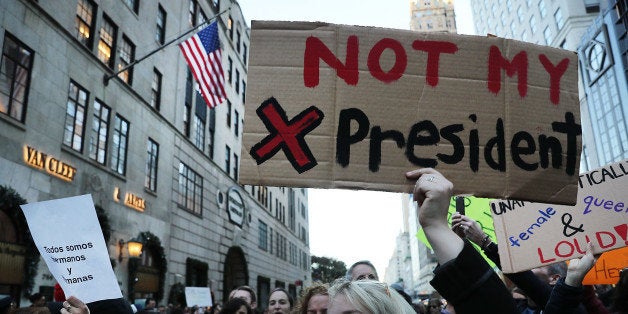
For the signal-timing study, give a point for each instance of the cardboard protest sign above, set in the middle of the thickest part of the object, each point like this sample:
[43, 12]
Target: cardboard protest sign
[606, 269]
[536, 234]
[199, 296]
[475, 208]
[334, 106]
[68, 236]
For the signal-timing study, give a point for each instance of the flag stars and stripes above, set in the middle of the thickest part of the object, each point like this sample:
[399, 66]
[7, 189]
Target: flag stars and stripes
[203, 56]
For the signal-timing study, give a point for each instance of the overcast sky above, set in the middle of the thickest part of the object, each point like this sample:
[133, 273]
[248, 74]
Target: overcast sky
[351, 225]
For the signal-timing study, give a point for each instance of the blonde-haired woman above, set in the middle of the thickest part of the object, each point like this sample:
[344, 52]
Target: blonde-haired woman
[366, 297]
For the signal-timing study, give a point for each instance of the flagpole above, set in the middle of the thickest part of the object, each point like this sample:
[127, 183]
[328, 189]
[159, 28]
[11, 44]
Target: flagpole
[132, 64]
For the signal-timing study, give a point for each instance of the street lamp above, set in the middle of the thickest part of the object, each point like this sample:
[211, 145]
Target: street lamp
[134, 247]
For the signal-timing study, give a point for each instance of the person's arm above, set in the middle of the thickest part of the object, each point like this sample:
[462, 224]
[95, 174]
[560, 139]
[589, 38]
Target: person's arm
[432, 192]
[592, 303]
[463, 277]
[567, 292]
[535, 289]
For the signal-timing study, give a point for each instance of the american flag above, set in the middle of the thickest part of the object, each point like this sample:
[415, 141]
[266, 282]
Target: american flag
[202, 53]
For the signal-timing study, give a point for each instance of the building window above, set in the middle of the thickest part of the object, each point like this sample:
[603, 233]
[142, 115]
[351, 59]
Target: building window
[558, 16]
[15, 75]
[160, 31]
[238, 39]
[236, 160]
[190, 189]
[291, 209]
[192, 12]
[228, 121]
[75, 116]
[189, 92]
[201, 18]
[195, 273]
[85, 22]
[263, 236]
[230, 27]
[229, 70]
[263, 289]
[520, 14]
[547, 34]
[199, 132]
[293, 253]
[155, 92]
[513, 29]
[133, 5]
[216, 3]
[281, 247]
[303, 235]
[227, 159]
[212, 128]
[244, 53]
[532, 24]
[127, 55]
[120, 143]
[542, 8]
[98, 137]
[152, 158]
[270, 242]
[243, 91]
[237, 81]
[106, 44]
[621, 12]
[236, 123]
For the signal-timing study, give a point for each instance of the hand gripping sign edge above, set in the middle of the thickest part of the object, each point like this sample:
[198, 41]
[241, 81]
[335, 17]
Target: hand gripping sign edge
[288, 136]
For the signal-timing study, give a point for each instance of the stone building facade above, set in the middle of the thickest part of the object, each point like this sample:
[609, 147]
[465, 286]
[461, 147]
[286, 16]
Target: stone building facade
[159, 164]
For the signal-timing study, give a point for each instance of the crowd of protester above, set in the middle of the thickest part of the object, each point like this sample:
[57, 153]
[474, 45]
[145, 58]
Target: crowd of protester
[464, 281]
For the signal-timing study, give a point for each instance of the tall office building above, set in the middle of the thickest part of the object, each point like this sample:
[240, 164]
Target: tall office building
[596, 29]
[432, 16]
[603, 56]
[161, 167]
[412, 261]
[558, 23]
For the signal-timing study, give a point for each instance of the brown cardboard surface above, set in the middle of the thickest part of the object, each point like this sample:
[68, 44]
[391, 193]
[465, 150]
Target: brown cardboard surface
[458, 105]
[528, 238]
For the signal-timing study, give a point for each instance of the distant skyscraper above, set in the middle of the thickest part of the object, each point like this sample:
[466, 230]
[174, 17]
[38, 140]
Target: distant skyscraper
[603, 56]
[597, 30]
[432, 16]
[558, 23]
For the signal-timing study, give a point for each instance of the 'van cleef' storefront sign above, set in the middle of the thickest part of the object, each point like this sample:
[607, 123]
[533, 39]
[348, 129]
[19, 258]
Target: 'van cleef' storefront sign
[235, 207]
[130, 200]
[50, 164]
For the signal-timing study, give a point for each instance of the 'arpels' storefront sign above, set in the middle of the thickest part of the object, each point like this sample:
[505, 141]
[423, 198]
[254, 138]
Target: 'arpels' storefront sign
[50, 164]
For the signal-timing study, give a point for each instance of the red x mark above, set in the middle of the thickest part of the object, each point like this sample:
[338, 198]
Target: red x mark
[287, 135]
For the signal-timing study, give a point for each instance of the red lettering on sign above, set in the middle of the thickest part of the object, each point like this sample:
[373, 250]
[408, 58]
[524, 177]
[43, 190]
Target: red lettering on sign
[543, 260]
[316, 50]
[555, 72]
[401, 60]
[433, 49]
[600, 241]
[622, 231]
[497, 62]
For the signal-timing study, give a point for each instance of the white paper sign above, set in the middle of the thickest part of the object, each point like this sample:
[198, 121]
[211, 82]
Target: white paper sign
[199, 296]
[67, 233]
